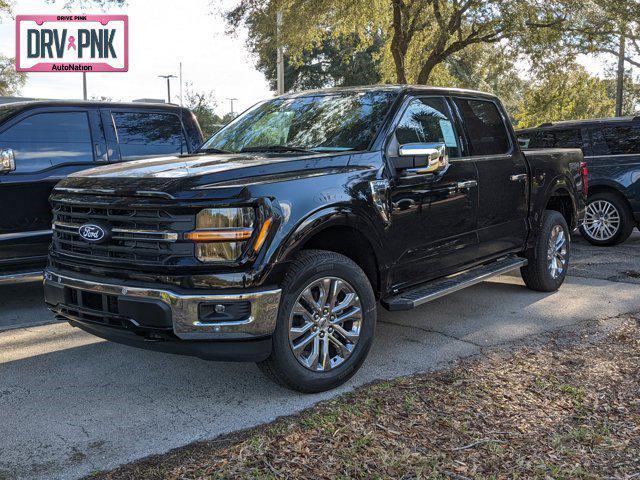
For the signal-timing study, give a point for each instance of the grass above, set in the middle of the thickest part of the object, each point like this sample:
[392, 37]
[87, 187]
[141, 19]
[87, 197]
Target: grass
[568, 408]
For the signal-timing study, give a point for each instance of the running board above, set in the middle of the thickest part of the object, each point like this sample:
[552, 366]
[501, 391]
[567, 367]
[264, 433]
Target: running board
[439, 288]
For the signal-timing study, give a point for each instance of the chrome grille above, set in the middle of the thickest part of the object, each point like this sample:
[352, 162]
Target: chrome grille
[139, 236]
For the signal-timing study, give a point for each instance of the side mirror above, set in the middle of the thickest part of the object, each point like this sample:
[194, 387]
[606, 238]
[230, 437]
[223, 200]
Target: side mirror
[7, 160]
[435, 153]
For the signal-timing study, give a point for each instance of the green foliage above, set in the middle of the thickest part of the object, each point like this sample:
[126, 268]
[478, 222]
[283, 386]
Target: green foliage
[203, 105]
[10, 81]
[563, 93]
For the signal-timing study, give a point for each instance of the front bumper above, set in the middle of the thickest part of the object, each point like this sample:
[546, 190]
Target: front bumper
[111, 310]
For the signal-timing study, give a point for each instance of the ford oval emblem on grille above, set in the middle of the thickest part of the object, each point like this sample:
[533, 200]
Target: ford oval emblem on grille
[92, 232]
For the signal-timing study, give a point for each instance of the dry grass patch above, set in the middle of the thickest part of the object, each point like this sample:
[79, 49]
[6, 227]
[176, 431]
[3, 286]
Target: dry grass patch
[565, 409]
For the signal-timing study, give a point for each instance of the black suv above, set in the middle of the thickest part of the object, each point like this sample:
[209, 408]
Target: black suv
[42, 142]
[611, 148]
[275, 242]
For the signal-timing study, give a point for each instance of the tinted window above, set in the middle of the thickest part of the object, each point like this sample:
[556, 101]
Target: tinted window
[148, 134]
[427, 120]
[324, 123]
[485, 127]
[47, 139]
[619, 140]
[567, 138]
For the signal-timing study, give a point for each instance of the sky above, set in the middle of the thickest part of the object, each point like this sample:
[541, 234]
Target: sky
[162, 33]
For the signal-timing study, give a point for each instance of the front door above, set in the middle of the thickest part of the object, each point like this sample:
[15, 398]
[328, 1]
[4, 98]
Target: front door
[48, 146]
[434, 215]
[502, 177]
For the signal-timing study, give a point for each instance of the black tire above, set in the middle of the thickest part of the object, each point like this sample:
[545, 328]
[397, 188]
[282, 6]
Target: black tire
[282, 366]
[626, 220]
[537, 275]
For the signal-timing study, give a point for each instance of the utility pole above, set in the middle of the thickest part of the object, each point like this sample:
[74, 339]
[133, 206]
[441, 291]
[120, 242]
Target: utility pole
[181, 84]
[280, 55]
[620, 76]
[231, 100]
[84, 85]
[168, 77]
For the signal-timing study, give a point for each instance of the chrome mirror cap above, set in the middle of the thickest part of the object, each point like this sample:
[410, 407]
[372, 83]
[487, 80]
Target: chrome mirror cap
[7, 160]
[436, 153]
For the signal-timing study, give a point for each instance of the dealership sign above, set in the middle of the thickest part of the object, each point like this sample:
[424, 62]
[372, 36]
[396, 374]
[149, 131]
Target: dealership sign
[72, 43]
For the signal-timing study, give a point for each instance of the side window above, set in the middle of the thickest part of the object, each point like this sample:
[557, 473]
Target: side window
[567, 138]
[486, 130]
[44, 140]
[428, 120]
[148, 134]
[620, 140]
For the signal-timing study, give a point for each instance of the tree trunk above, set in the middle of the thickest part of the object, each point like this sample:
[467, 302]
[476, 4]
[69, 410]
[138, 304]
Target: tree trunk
[427, 68]
[620, 78]
[398, 43]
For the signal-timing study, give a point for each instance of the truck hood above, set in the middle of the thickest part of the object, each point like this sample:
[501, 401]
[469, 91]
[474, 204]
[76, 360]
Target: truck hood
[227, 166]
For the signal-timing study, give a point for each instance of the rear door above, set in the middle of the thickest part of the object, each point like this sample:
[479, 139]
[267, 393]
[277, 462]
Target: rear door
[502, 176]
[142, 133]
[49, 144]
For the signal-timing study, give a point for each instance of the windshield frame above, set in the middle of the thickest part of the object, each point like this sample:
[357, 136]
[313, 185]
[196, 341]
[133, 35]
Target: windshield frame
[394, 97]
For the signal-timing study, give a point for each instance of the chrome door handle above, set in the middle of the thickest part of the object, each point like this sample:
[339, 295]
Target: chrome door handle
[518, 178]
[467, 184]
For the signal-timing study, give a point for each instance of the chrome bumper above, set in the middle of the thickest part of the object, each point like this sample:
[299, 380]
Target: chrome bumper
[184, 308]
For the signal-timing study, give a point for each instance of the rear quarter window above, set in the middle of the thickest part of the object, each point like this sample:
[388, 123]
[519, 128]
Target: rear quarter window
[485, 127]
[616, 140]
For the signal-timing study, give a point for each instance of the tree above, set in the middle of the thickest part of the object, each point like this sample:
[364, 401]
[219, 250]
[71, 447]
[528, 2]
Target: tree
[419, 35]
[203, 105]
[11, 81]
[564, 92]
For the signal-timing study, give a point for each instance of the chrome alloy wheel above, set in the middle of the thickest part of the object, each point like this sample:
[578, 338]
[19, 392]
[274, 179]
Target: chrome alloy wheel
[557, 252]
[325, 323]
[602, 220]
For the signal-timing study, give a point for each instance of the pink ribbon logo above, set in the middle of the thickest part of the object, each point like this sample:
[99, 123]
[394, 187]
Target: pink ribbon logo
[72, 43]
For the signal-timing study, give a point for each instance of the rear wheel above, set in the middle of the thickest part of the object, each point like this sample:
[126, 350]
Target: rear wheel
[326, 323]
[549, 258]
[608, 220]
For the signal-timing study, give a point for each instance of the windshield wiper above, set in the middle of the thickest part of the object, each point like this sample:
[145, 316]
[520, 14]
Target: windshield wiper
[276, 148]
[210, 150]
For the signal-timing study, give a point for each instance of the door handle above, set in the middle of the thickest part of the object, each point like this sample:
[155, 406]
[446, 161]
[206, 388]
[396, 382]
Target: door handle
[467, 184]
[518, 178]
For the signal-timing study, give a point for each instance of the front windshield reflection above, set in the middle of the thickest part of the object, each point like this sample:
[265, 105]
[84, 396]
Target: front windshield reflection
[321, 123]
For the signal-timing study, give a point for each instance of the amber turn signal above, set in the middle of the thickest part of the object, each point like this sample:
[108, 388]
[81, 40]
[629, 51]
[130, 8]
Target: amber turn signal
[220, 235]
[262, 235]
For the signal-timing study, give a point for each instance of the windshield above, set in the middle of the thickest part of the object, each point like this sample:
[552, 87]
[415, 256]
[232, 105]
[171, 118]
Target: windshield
[317, 123]
[6, 111]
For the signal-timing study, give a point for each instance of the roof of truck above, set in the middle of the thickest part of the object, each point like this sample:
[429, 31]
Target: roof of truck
[90, 103]
[389, 88]
[577, 123]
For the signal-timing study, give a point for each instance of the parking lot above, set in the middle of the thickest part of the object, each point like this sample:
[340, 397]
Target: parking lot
[73, 404]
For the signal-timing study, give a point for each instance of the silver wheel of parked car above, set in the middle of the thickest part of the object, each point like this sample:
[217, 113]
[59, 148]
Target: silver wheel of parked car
[325, 323]
[602, 220]
[557, 252]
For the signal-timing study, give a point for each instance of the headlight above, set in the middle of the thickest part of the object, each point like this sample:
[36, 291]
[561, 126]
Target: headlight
[222, 233]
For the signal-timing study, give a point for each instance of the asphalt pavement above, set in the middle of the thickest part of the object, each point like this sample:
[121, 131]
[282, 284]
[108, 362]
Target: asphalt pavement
[72, 404]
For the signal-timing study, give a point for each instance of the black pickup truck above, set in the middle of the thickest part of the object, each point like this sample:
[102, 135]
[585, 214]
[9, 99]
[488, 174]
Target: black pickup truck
[275, 242]
[42, 142]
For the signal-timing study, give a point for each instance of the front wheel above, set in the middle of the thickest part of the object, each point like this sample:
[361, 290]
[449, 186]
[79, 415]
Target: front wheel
[326, 323]
[549, 258]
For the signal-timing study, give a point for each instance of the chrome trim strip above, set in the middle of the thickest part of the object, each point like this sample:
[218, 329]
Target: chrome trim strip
[25, 277]
[161, 235]
[18, 236]
[111, 191]
[184, 308]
